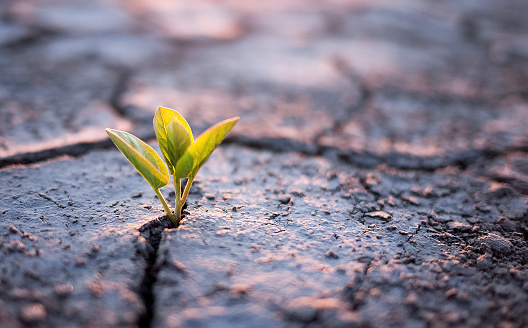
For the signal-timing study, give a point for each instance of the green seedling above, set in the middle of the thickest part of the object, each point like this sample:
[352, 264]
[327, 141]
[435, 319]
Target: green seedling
[184, 155]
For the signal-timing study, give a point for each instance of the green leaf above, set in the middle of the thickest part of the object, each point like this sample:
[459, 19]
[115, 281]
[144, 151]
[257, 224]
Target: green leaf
[142, 156]
[173, 133]
[197, 153]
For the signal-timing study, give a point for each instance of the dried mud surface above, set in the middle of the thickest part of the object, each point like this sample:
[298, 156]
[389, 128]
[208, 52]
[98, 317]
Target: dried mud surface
[378, 176]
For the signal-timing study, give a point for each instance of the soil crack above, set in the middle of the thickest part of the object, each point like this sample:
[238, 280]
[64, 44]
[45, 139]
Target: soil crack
[119, 89]
[364, 159]
[51, 200]
[152, 232]
[73, 150]
[355, 292]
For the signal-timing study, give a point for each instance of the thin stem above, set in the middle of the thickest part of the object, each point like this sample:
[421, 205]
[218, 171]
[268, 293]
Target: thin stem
[187, 188]
[178, 203]
[166, 207]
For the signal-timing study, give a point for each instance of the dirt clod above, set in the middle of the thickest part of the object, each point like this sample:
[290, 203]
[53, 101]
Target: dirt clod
[32, 313]
[285, 198]
[332, 255]
[80, 261]
[496, 243]
[63, 290]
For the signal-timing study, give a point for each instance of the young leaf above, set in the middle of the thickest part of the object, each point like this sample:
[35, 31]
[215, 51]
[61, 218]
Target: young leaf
[142, 156]
[198, 152]
[178, 140]
[173, 133]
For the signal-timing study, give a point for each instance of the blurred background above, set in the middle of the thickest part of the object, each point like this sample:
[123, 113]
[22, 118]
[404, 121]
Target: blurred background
[391, 80]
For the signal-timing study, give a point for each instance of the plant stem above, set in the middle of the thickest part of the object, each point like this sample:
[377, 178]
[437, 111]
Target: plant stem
[166, 207]
[178, 203]
[187, 188]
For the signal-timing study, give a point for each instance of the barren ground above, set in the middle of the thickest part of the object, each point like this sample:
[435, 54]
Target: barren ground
[378, 176]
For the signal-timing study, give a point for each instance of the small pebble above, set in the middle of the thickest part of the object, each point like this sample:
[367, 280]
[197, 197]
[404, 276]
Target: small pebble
[16, 245]
[31, 253]
[298, 193]
[13, 229]
[222, 232]
[32, 313]
[210, 196]
[411, 199]
[412, 298]
[80, 261]
[22, 293]
[331, 255]
[239, 290]
[380, 215]
[285, 198]
[346, 195]
[460, 226]
[73, 232]
[32, 274]
[96, 289]
[451, 293]
[63, 290]
[138, 195]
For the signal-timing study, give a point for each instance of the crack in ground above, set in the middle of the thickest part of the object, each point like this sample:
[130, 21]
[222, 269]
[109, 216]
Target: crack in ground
[51, 200]
[119, 89]
[34, 36]
[517, 183]
[280, 145]
[363, 101]
[353, 291]
[412, 235]
[367, 159]
[365, 93]
[74, 150]
[152, 232]
[364, 159]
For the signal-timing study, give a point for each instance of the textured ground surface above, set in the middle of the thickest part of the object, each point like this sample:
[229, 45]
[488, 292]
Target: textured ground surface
[378, 176]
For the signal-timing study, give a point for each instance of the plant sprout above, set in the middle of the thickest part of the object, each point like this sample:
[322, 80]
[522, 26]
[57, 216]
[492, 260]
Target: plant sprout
[184, 155]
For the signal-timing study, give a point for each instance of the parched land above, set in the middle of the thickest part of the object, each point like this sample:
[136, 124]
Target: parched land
[378, 176]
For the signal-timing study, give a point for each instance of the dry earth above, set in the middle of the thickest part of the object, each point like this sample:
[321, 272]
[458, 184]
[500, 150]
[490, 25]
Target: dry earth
[378, 176]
